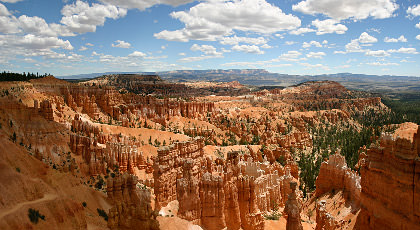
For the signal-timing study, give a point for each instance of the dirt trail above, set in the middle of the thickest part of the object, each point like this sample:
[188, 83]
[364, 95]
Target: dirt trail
[47, 197]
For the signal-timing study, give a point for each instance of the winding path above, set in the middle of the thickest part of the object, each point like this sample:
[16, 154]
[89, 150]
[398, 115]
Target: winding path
[8, 211]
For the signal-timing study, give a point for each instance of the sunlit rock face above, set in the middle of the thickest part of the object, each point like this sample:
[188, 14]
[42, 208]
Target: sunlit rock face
[390, 197]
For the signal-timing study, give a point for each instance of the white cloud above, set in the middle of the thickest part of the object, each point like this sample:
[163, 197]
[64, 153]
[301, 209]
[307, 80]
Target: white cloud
[354, 46]
[236, 40]
[418, 25]
[311, 43]
[329, 26]
[9, 25]
[38, 26]
[89, 44]
[182, 54]
[144, 4]
[81, 18]
[414, 10]
[377, 53]
[348, 9]
[291, 55]
[137, 54]
[214, 19]
[248, 49]
[302, 31]
[310, 66]
[289, 43]
[206, 49]
[406, 61]
[382, 63]
[83, 48]
[315, 54]
[366, 38]
[400, 39]
[266, 46]
[404, 50]
[199, 58]
[3, 10]
[31, 41]
[418, 37]
[121, 44]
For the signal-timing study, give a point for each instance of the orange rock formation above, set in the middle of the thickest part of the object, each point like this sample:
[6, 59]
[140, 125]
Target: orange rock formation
[131, 204]
[390, 197]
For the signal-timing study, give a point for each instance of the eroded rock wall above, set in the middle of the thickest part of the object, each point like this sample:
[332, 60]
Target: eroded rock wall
[335, 175]
[390, 197]
[131, 204]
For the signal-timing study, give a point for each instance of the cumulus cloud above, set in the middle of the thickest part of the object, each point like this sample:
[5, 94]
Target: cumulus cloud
[137, 54]
[315, 54]
[248, 49]
[418, 37]
[121, 44]
[212, 20]
[404, 50]
[266, 46]
[366, 38]
[83, 48]
[144, 4]
[302, 31]
[291, 56]
[311, 66]
[234, 40]
[199, 58]
[418, 25]
[206, 49]
[329, 26]
[31, 41]
[80, 17]
[346, 9]
[355, 45]
[382, 63]
[377, 53]
[400, 39]
[311, 43]
[289, 43]
[414, 10]
[3, 10]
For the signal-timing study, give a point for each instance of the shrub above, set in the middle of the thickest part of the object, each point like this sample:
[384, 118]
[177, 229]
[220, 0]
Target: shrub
[84, 204]
[34, 215]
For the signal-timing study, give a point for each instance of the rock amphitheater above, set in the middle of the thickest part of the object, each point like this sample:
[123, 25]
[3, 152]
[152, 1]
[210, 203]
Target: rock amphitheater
[92, 155]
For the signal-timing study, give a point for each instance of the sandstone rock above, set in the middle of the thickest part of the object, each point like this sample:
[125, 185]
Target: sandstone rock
[335, 175]
[390, 197]
[131, 204]
[188, 194]
[212, 199]
[292, 209]
[324, 220]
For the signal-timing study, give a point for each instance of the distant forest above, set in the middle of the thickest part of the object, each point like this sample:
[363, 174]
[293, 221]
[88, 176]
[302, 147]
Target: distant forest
[8, 76]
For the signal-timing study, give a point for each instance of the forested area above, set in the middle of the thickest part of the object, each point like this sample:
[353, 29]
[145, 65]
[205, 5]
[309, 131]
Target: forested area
[329, 138]
[8, 76]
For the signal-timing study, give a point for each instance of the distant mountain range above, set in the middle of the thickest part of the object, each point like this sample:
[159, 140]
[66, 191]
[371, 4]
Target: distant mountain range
[261, 77]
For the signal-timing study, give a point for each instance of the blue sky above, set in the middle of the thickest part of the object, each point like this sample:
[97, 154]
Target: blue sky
[65, 37]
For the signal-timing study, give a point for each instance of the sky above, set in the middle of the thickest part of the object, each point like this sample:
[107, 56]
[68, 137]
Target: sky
[65, 37]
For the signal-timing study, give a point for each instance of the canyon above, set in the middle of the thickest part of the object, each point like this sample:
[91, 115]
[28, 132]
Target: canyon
[123, 151]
